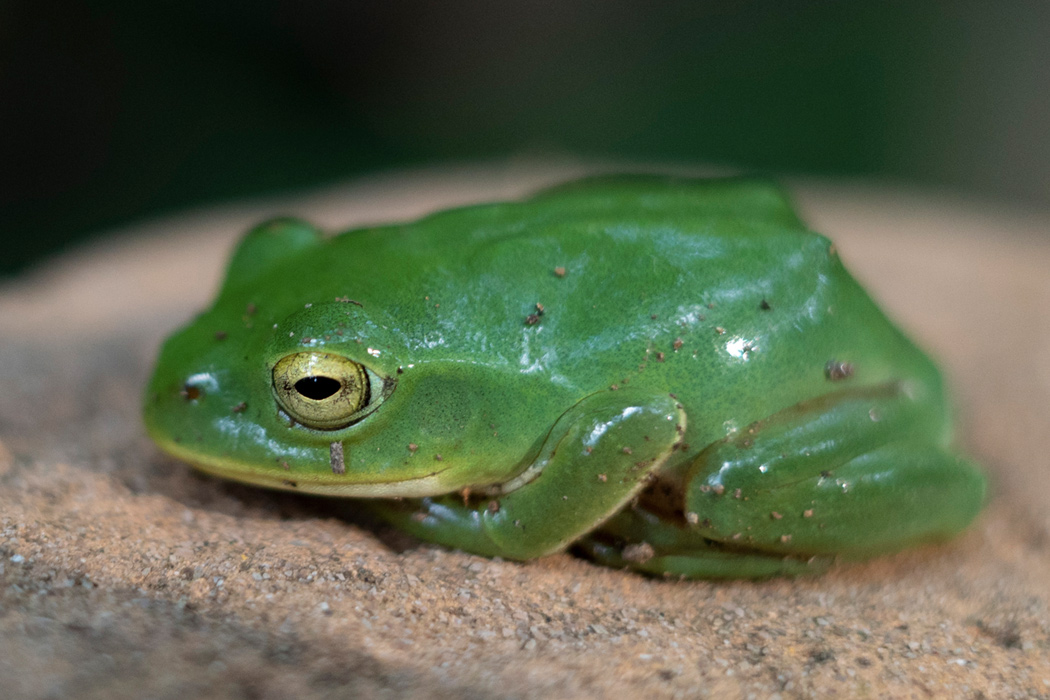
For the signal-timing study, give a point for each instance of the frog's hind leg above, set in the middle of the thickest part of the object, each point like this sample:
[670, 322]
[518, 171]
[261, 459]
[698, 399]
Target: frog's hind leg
[856, 473]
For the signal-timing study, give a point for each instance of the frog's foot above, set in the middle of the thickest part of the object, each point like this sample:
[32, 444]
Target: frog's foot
[855, 473]
[706, 562]
[597, 457]
[654, 544]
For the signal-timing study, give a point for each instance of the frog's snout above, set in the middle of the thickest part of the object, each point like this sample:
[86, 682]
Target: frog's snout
[179, 403]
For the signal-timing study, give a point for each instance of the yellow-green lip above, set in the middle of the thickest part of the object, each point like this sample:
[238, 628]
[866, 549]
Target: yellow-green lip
[324, 485]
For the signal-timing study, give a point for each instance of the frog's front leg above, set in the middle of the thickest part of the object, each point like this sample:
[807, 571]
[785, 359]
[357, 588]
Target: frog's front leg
[598, 456]
[855, 473]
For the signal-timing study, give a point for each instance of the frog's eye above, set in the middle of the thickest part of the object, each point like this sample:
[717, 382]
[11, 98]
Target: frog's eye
[321, 390]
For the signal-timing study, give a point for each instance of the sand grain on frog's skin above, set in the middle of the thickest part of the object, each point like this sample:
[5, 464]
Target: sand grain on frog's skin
[124, 574]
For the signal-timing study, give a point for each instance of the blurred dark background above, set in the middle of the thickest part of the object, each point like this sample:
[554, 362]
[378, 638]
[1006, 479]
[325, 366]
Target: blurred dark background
[116, 110]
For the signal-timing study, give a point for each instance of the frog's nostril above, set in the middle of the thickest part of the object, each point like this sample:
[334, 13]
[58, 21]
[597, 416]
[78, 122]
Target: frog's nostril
[198, 385]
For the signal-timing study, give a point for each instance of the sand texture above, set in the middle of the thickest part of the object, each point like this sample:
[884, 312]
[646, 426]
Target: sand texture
[125, 574]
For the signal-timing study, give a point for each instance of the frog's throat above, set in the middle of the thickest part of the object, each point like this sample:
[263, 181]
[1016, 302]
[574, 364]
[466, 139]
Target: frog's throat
[327, 484]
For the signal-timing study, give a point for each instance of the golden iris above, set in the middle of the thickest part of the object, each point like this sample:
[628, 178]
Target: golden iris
[320, 390]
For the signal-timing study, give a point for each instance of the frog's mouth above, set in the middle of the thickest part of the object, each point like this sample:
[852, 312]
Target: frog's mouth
[335, 484]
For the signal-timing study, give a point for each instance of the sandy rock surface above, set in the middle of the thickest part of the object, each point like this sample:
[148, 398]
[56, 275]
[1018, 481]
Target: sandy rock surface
[124, 574]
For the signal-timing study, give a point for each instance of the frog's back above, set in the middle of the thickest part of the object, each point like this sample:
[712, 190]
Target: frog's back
[602, 256]
[625, 232]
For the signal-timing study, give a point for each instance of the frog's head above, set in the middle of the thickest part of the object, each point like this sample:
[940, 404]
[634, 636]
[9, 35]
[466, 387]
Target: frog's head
[323, 395]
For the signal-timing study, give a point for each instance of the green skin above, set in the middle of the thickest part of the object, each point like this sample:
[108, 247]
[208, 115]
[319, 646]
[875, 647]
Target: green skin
[707, 392]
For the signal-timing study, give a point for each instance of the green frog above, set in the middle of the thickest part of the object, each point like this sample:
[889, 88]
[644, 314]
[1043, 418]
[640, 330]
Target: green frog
[666, 374]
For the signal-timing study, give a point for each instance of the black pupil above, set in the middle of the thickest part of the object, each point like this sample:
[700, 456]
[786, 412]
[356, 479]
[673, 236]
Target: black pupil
[317, 388]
